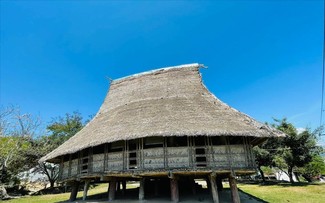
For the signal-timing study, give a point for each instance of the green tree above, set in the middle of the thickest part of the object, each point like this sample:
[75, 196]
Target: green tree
[16, 132]
[313, 169]
[265, 154]
[63, 128]
[263, 157]
[296, 149]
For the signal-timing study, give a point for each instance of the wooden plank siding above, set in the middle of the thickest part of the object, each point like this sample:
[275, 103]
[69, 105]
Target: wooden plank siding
[141, 157]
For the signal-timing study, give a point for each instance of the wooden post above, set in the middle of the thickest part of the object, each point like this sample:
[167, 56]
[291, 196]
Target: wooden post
[86, 187]
[156, 187]
[74, 191]
[70, 162]
[141, 189]
[193, 187]
[234, 189]
[112, 188]
[208, 183]
[123, 186]
[213, 186]
[219, 184]
[174, 190]
[118, 184]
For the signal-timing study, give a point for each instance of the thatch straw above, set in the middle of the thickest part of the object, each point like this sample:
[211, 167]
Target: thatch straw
[165, 102]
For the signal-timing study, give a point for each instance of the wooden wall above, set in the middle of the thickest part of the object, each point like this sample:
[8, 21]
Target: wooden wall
[160, 154]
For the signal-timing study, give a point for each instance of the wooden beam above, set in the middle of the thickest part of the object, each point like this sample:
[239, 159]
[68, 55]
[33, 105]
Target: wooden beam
[174, 190]
[74, 191]
[86, 187]
[141, 189]
[213, 186]
[234, 189]
[111, 189]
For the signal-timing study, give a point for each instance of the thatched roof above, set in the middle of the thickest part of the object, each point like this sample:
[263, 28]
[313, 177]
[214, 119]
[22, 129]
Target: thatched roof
[164, 102]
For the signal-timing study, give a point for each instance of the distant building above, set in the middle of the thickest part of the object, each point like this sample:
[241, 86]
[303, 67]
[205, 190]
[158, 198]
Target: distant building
[282, 176]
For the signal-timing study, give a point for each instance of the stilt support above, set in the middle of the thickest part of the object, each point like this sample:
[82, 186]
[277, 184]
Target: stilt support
[174, 190]
[141, 189]
[111, 189]
[208, 183]
[156, 188]
[193, 186]
[219, 184]
[86, 187]
[213, 186]
[74, 191]
[123, 186]
[234, 189]
[118, 184]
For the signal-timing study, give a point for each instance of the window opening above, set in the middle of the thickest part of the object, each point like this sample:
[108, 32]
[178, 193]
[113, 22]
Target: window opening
[200, 151]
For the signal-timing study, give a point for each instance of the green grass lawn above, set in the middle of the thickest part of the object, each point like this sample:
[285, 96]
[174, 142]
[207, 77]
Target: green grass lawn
[57, 197]
[277, 193]
[285, 192]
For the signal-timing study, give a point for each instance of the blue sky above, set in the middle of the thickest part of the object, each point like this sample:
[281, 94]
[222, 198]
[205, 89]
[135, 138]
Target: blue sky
[264, 58]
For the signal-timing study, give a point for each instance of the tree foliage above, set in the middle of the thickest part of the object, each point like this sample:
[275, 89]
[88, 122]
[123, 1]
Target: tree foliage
[16, 133]
[313, 169]
[60, 129]
[294, 151]
[63, 128]
[20, 148]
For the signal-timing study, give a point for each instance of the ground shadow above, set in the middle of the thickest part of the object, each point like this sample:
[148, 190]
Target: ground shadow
[252, 196]
[279, 183]
[204, 196]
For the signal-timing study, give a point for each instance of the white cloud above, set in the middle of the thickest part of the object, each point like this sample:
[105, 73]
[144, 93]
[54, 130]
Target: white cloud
[300, 130]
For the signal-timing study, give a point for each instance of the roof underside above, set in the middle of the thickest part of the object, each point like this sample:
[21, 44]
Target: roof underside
[165, 102]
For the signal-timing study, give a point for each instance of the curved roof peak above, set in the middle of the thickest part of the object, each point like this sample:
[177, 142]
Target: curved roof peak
[153, 71]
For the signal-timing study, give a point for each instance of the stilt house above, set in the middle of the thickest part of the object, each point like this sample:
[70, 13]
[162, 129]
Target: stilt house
[157, 127]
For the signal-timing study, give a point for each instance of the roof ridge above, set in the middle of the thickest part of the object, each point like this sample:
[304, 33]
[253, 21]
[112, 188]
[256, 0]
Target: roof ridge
[190, 65]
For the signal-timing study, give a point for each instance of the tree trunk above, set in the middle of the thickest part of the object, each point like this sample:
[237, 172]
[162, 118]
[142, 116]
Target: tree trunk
[309, 180]
[3, 175]
[3, 193]
[52, 183]
[297, 176]
[262, 173]
[290, 174]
